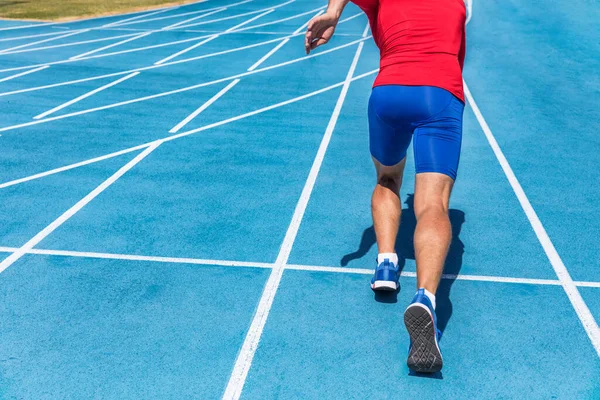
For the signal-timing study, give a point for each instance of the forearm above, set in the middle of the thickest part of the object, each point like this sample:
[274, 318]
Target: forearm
[336, 7]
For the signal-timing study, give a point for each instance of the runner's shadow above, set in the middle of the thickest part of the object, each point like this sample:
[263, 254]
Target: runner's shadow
[405, 249]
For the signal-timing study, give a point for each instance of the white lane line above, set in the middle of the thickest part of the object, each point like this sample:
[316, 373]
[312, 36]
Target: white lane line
[135, 257]
[181, 90]
[230, 17]
[166, 28]
[211, 38]
[5, 51]
[69, 44]
[11, 28]
[469, 4]
[281, 44]
[138, 17]
[204, 106]
[350, 18]
[187, 49]
[131, 39]
[179, 135]
[234, 388]
[279, 20]
[84, 96]
[295, 267]
[186, 13]
[8, 78]
[582, 310]
[73, 210]
[30, 36]
[288, 35]
[73, 166]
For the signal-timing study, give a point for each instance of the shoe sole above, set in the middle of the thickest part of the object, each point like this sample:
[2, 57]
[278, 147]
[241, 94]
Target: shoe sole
[424, 355]
[386, 286]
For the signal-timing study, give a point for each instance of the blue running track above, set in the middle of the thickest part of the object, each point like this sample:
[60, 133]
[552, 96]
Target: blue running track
[184, 210]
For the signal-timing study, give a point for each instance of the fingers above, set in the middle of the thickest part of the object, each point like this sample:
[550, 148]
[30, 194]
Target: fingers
[316, 43]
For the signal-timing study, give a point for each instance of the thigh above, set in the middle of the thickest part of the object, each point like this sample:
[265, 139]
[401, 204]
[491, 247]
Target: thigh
[388, 139]
[437, 141]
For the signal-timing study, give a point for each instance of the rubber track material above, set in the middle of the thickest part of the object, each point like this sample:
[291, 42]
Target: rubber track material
[424, 355]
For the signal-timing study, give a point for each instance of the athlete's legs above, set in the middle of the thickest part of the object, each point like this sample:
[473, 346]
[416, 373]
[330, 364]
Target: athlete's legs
[386, 206]
[433, 233]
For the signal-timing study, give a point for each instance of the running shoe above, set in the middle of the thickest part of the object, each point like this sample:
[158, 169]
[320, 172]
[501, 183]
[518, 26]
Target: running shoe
[386, 276]
[421, 323]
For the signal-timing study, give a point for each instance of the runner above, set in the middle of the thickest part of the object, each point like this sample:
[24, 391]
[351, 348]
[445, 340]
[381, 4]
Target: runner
[418, 93]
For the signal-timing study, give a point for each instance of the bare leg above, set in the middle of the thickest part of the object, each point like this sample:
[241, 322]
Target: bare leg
[433, 233]
[385, 205]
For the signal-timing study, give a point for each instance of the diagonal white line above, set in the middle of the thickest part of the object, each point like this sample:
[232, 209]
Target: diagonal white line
[118, 23]
[286, 35]
[211, 38]
[204, 106]
[181, 90]
[179, 135]
[269, 54]
[234, 388]
[218, 10]
[69, 44]
[582, 310]
[131, 39]
[280, 20]
[84, 96]
[8, 78]
[230, 17]
[73, 210]
[187, 49]
[185, 13]
[43, 41]
[30, 36]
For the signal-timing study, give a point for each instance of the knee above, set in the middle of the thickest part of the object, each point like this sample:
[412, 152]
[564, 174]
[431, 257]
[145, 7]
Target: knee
[431, 209]
[390, 181]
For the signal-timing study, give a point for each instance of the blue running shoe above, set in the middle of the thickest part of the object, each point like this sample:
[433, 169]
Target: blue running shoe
[421, 323]
[386, 276]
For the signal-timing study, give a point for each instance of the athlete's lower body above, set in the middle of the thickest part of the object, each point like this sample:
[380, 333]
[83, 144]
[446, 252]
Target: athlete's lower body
[432, 118]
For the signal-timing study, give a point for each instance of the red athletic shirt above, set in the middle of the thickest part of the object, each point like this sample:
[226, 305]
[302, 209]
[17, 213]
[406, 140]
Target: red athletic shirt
[421, 42]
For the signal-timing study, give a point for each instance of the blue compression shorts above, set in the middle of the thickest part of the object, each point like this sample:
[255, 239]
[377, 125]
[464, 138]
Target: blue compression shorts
[433, 115]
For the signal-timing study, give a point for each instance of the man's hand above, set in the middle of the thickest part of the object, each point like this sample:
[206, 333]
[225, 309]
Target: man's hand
[320, 30]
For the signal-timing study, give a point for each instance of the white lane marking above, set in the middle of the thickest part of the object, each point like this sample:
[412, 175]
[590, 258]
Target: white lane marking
[280, 20]
[7, 51]
[350, 18]
[295, 267]
[186, 13]
[30, 36]
[230, 17]
[218, 10]
[186, 50]
[135, 257]
[204, 106]
[181, 90]
[131, 39]
[69, 44]
[281, 44]
[138, 17]
[73, 210]
[211, 38]
[72, 166]
[177, 136]
[469, 10]
[8, 78]
[582, 310]
[84, 96]
[243, 362]
[286, 35]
